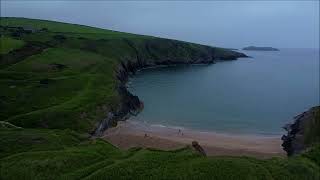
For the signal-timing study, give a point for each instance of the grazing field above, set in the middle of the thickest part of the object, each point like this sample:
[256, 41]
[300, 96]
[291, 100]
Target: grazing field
[8, 44]
[65, 154]
[65, 75]
[59, 80]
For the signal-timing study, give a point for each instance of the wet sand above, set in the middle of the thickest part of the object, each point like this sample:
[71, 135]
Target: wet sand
[130, 134]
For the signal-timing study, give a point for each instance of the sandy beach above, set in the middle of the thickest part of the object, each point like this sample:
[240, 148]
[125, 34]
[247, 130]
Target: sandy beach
[130, 134]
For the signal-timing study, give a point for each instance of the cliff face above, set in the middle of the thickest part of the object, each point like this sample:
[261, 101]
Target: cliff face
[156, 52]
[303, 132]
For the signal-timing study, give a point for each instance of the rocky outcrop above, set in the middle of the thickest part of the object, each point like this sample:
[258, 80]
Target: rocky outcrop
[198, 148]
[303, 132]
[130, 106]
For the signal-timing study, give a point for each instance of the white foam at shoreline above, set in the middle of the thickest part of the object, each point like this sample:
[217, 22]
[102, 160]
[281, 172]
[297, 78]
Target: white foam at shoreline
[172, 129]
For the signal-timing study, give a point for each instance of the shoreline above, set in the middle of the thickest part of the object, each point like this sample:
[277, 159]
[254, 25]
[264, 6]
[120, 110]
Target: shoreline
[131, 104]
[128, 134]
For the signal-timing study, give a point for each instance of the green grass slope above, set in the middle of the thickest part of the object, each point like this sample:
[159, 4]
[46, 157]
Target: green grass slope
[312, 128]
[65, 154]
[59, 27]
[8, 44]
[64, 75]
[58, 81]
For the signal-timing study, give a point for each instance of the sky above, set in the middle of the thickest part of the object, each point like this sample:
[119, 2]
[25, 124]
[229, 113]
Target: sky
[230, 24]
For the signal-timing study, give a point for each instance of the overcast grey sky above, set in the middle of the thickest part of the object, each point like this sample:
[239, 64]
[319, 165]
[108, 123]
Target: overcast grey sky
[218, 23]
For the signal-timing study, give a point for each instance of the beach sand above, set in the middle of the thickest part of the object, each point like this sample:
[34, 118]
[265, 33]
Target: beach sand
[130, 134]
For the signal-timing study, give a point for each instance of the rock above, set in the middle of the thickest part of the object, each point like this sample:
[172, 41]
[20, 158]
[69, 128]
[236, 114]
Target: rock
[297, 140]
[104, 124]
[198, 148]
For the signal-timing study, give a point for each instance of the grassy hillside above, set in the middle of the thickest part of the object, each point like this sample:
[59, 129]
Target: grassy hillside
[61, 27]
[9, 44]
[303, 132]
[64, 75]
[59, 80]
[312, 128]
[65, 154]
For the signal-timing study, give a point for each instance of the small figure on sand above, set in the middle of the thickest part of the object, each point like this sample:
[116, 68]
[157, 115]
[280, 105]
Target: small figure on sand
[180, 132]
[145, 135]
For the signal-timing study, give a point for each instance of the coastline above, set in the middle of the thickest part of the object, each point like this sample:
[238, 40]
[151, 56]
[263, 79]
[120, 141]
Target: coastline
[128, 134]
[131, 104]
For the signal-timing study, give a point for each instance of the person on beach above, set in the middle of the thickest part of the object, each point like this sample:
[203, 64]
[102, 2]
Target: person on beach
[180, 132]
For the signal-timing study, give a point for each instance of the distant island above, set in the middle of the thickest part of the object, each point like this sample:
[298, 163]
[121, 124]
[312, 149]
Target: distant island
[255, 48]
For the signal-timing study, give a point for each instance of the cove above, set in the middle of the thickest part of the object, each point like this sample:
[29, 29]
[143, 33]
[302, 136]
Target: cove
[257, 95]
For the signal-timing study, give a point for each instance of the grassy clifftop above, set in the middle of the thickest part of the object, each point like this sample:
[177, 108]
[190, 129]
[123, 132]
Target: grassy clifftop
[59, 75]
[59, 80]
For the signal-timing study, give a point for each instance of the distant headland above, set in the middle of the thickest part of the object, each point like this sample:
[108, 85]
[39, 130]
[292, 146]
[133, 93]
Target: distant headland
[255, 48]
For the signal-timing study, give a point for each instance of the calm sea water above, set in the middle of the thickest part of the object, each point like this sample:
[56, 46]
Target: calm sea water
[251, 95]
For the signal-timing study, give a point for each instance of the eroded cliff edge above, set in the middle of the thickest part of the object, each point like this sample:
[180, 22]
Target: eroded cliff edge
[303, 132]
[155, 52]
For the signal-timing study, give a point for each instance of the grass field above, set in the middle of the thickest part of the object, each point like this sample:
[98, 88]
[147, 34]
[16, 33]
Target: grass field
[65, 154]
[58, 82]
[65, 76]
[78, 86]
[8, 44]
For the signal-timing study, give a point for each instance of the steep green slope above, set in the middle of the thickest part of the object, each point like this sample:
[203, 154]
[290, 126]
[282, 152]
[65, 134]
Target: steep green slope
[303, 133]
[65, 80]
[68, 76]
[312, 128]
[57, 154]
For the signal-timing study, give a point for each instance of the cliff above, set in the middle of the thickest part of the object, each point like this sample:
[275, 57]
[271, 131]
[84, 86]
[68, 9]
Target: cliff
[157, 52]
[68, 76]
[303, 132]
